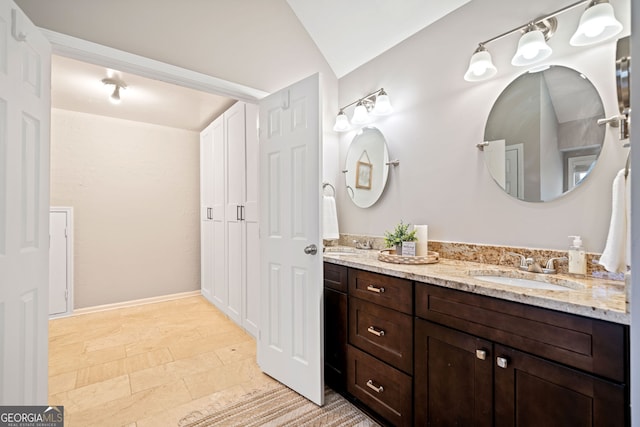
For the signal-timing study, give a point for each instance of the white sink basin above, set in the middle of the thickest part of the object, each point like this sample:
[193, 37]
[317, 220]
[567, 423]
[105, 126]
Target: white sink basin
[340, 251]
[541, 282]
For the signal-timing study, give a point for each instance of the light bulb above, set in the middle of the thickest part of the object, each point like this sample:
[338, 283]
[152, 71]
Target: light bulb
[360, 114]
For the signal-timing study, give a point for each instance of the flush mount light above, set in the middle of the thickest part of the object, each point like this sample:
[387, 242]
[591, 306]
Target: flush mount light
[376, 103]
[597, 24]
[117, 85]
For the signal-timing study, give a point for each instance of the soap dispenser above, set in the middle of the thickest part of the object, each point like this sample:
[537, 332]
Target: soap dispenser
[577, 257]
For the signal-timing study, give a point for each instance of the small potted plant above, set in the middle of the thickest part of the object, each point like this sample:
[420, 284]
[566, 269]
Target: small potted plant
[399, 235]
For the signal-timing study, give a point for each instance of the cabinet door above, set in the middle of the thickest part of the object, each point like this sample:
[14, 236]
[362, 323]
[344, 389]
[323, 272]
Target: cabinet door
[453, 381]
[335, 338]
[219, 287]
[234, 120]
[251, 294]
[206, 213]
[530, 391]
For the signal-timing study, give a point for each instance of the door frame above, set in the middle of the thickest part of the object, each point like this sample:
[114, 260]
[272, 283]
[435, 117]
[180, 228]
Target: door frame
[68, 210]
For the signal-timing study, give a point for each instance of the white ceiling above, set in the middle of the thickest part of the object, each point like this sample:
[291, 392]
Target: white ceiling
[77, 86]
[358, 31]
[351, 33]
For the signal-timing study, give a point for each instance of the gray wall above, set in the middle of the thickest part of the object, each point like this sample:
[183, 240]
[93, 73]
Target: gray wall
[439, 117]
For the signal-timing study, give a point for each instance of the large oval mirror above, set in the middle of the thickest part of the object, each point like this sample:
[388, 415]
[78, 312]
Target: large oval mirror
[366, 168]
[542, 138]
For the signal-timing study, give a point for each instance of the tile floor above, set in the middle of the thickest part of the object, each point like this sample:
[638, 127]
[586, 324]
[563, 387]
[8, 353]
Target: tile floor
[149, 365]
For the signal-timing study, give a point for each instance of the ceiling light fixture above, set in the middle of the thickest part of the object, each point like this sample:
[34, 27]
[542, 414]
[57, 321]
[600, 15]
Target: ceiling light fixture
[117, 85]
[597, 24]
[376, 103]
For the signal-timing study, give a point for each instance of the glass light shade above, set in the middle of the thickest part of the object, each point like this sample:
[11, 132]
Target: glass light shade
[342, 122]
[360, 114]
[480, 67]
[383, 105]
[597, 24]
[532, 48]
[115, 96]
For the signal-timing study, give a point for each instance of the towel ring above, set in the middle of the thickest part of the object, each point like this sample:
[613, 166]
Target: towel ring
[325, 185]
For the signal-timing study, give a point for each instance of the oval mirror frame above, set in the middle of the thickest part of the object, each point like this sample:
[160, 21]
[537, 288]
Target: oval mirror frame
[541, 137]
[366, 167]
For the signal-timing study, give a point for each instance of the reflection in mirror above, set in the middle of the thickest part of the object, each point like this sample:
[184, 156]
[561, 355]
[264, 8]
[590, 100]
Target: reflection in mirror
[542, 134]
[366, 167]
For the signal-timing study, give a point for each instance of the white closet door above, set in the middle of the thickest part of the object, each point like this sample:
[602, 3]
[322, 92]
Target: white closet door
[251, 300]
[206, 213]
[59, 279]
[220, 292]
[235, 130]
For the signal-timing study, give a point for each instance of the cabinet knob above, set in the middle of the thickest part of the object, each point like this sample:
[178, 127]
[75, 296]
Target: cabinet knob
[372, 386]
[502, 362]
[481, 354]
[378, 290]
[376, 332]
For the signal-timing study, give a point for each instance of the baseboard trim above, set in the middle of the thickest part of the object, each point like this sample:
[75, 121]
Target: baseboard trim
[133, 303]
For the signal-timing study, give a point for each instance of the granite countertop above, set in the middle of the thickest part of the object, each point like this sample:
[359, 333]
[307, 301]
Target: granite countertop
[592, 297]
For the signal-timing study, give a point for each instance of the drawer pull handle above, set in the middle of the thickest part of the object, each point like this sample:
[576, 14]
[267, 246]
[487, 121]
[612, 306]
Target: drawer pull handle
[481, 354]
[376, 332]
[502, 362]
[378, 389]
[375, 289]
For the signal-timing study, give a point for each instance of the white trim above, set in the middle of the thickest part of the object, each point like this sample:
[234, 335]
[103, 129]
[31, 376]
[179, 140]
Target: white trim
[134, 303]
[83, 50]
[68, 210]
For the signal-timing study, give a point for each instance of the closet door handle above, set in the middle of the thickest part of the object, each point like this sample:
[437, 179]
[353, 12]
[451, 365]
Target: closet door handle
[238, 213]
[209, 213]
[242, 213]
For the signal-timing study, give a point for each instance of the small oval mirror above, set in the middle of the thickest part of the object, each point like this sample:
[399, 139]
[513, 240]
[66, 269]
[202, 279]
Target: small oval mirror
[542, 134]
[366, 167]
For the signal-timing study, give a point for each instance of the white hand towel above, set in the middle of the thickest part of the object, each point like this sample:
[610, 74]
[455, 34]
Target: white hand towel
[329, 219]
[615, 255]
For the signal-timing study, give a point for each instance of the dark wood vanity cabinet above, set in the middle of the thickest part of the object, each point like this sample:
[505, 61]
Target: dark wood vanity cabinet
[425, 355]
[380, 349]
[481, 361]
[335, 326]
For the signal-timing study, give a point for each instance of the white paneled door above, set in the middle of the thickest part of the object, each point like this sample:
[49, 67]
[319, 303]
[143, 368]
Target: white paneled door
[25, 62]
[290, 335]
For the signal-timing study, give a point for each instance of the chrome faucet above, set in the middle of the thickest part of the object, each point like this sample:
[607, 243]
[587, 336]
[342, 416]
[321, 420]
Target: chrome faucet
[365, 244]
[550, 267]
[527, 264]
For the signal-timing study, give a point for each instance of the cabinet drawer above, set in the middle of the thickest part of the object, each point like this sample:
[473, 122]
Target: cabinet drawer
[387, 291]
[335, 277]
[382, 388]
[382, 332]
[592, 345]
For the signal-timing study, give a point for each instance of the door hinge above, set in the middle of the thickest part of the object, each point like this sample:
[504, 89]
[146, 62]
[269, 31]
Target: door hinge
[66, 233]
[66, 294]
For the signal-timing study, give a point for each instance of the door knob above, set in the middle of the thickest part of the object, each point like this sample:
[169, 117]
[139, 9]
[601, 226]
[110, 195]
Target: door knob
[311, 250]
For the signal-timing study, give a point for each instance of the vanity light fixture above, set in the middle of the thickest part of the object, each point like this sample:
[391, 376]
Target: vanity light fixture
[532, 46]
[376, 103]
[117, 85]
[597, 24]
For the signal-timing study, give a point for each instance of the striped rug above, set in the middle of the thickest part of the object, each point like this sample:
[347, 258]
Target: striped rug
[281, 406]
